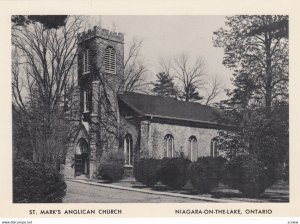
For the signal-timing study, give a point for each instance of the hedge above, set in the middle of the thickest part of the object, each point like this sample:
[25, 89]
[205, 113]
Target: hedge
[205, 174]
[146, 171]
[249, 175]
[111, 171]
[174, 172]
[36, 183]
[111, 166]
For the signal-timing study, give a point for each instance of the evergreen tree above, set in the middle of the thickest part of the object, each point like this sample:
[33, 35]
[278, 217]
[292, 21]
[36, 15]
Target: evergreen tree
[190, 94]
[164, 86]
[256, 48]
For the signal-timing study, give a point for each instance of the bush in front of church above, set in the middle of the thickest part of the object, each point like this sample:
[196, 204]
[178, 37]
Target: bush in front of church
[36, 183]
[146, 171]
[111, 166]
[249, 175]
[174, 172]
[111, 171]
[205, 174]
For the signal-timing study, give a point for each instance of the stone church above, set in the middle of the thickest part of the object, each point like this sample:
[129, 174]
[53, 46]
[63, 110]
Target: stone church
[136, 124]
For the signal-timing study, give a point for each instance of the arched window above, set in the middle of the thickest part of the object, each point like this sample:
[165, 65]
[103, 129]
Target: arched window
[86, 61]
[169, 145]
[214, 147]
[193, 148]
[110, 60]
[128, 150]
[85, 100]
[84, 148]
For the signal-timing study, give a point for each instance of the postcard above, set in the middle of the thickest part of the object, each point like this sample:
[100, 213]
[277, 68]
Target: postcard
[150, 110]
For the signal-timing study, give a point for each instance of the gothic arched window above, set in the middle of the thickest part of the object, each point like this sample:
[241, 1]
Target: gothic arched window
[193, 148]
[110, 60]
[128, 150]
[169, 145]
[214, 147]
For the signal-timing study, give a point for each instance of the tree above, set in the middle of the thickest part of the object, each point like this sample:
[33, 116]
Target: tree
[43, 72]
[134, 68]
[49, 22]
[164, 86]
[256, 47]
[213, 88]
[190, 75]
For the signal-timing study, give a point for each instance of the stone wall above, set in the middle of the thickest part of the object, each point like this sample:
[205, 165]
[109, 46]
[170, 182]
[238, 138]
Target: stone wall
[101, 87]
[181, 134]
[131, 126]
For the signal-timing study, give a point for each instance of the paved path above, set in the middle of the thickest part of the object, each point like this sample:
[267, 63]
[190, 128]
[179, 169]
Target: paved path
[85, 193]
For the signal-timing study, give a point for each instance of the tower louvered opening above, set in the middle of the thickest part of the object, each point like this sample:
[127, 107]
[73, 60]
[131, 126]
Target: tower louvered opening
[86, 61]
[110, 60]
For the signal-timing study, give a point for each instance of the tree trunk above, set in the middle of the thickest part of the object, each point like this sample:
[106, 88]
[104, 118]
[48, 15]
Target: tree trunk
[268, 85]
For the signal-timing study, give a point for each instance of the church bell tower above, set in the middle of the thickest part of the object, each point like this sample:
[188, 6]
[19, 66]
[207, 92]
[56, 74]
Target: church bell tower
[100, 80]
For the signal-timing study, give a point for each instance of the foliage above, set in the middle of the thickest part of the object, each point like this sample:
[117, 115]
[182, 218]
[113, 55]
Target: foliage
[111, 171]
[49, 21]
[164, 86]
[249, 175]
[113, 156]
[43, 71]
[21, 138]
[206, 173]
[36, 183]
[174, 172]
[146, 171]
[111, 166]
[190, 93]
[257, 49]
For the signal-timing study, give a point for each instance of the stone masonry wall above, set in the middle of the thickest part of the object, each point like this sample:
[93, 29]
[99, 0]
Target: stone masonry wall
[181, 134]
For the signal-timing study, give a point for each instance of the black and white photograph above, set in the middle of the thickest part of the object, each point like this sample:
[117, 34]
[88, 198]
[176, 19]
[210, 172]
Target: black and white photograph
[150, 108]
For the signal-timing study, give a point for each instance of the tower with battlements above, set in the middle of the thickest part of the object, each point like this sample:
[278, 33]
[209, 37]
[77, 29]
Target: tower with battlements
[100, 80]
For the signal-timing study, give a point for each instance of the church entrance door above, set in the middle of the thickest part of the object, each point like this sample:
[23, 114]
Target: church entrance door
[82, 161]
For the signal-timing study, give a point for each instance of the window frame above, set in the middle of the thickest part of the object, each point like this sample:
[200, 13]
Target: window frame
[110, 60]
[86, 61]
[128, 147]
[86, 106]
[169, 138]
[214, 147]
[193, 142]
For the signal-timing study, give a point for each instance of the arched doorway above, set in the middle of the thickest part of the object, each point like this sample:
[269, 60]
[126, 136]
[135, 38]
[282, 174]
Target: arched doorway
[82, 158]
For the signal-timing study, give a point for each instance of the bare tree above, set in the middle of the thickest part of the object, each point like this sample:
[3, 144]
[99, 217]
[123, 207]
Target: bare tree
[191, 75]
[165, 65]
[213, 89]
[134, 68]
[44, 68]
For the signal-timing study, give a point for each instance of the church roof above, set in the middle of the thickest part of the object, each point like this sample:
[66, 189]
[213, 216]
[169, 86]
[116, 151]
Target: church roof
[164, 107]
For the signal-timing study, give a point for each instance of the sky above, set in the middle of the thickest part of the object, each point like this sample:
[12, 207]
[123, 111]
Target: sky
[170, 36]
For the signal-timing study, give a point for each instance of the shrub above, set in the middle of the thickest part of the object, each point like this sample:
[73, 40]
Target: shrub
[206, 173]
[113, 156]
[111, 166]
[146, 171]
[174, 172]
[111, 171]
[249, 175]
[36, 183]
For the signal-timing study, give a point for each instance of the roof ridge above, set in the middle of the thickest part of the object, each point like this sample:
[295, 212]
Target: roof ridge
[161, 106]
[169, 98]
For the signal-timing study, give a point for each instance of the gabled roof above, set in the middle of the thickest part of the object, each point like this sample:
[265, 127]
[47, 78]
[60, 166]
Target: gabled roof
[164, 107]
